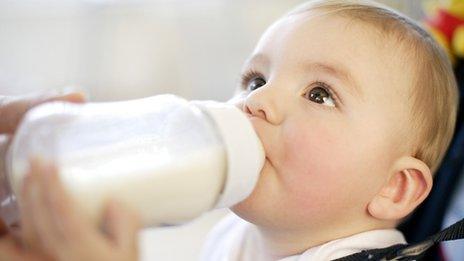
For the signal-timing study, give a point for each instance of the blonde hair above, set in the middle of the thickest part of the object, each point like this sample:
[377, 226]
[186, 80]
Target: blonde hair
[434, 96]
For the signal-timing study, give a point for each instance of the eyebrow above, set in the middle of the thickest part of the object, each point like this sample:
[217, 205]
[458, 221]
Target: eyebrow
[338, 71]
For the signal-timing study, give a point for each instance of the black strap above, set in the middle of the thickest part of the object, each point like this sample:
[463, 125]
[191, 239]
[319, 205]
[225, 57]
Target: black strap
[409, 252]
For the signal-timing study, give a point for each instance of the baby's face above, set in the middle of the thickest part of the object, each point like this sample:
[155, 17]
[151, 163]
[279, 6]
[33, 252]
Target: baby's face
[328, 98]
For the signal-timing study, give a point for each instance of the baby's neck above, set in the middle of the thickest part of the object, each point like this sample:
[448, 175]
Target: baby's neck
[279, 244]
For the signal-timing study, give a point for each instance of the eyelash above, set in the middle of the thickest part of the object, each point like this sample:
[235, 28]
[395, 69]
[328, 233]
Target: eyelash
[248, 76]
[251, 74]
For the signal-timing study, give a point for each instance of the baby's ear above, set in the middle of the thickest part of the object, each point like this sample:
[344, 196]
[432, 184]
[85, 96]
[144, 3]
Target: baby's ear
[408, 185]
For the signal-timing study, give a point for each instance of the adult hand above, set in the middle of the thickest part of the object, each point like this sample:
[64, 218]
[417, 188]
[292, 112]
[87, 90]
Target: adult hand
[12, 110]
[54, 227]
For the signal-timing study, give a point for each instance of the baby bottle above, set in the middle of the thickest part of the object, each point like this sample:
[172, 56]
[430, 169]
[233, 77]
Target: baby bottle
[165, 157]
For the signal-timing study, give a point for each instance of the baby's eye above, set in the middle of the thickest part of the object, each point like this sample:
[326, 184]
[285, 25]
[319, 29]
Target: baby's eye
[255, 83]
[252, 81]
[320, 95]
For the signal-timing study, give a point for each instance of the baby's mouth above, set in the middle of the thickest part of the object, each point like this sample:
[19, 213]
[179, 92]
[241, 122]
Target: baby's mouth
[269, 161]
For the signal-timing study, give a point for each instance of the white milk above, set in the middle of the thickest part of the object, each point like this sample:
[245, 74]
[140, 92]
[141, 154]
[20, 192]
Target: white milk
[163, 191]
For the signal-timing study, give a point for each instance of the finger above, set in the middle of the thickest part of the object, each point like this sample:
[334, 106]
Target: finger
[73, 233]
[13, 109]
[62, 226]
[4, 144]
[44, 233]
[29, 233]
[9, 210]
[4, 192]
[9, 250]
[47, 227]
[63, 207]
[122, 226]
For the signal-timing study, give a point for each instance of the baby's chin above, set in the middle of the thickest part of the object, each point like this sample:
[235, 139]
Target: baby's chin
[259, 206]
[254, 206]
[246, 211]
[265, 217]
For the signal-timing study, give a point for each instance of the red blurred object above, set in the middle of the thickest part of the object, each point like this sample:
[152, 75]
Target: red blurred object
[445, 22]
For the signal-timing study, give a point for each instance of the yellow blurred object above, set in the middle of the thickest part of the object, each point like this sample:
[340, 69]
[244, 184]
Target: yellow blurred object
[456, 8]
[458, 41]
[445, 22]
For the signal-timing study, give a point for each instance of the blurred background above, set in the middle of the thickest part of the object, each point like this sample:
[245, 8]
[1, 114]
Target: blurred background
[117, 50]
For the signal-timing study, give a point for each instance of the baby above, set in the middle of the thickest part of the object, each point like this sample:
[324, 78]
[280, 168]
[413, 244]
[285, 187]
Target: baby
[355, 105]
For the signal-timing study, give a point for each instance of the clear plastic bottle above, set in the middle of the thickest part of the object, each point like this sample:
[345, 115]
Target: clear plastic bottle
[168, 159]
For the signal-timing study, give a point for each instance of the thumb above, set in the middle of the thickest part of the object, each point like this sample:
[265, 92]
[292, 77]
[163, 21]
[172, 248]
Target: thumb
[75, 97]
[10, 250]
[8, 206]
[122, 225]
[12, 109]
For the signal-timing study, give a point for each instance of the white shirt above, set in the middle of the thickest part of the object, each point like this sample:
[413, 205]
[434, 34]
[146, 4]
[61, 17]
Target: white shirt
[233, 240]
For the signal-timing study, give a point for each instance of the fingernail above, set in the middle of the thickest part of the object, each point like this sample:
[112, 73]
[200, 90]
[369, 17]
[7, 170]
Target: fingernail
[67, 91]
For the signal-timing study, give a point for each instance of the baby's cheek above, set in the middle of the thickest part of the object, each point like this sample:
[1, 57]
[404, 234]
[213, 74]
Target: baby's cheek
[314, 166]
[311, 152]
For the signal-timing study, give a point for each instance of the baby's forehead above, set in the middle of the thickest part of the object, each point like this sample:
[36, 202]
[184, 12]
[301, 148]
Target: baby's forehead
[356, 46]
[331, 30]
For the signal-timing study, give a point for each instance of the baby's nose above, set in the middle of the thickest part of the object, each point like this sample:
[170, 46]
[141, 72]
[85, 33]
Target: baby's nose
[263, 103]
[255, 112]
